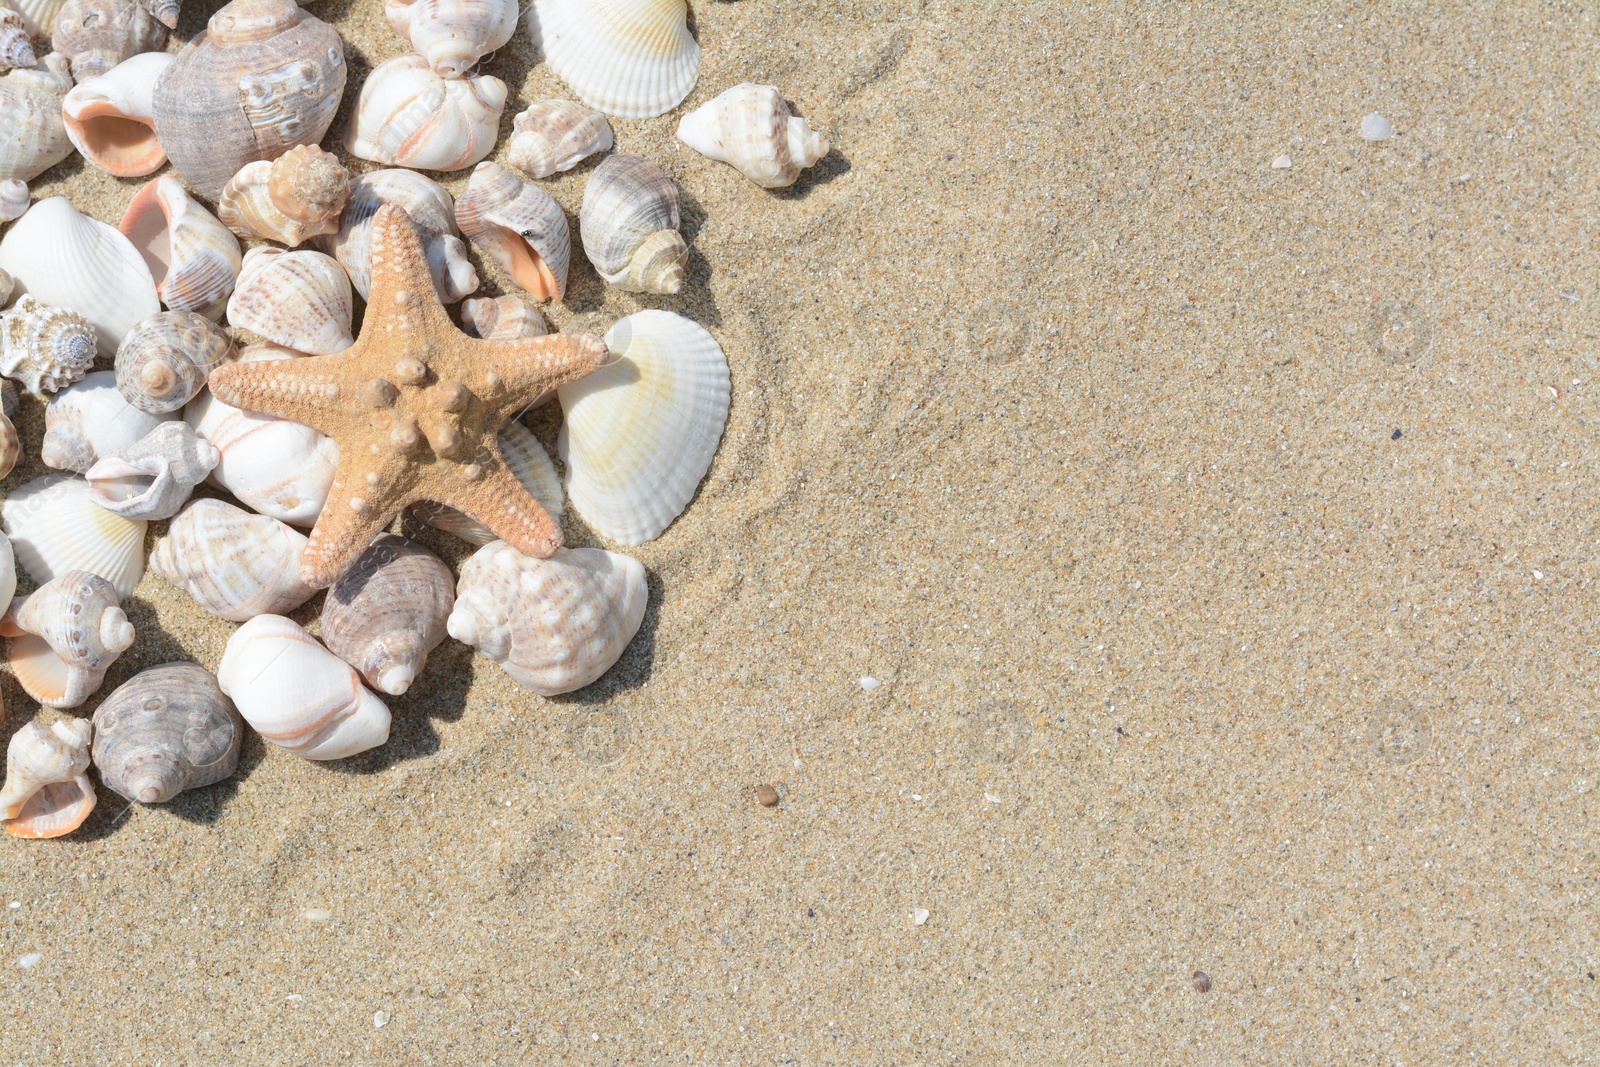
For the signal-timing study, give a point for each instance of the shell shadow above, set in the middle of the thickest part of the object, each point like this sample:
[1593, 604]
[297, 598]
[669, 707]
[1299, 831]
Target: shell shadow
[440, 692]
[825, 170]
[637, 662]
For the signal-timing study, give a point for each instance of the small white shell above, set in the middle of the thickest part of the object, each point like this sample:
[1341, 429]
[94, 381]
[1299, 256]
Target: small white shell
[640, 432]
[291, 199]
[234, 564]
[297, 694]
[152, 478]
[165, 730]
[633, 58]
[428, 205]
[90, 419]
[503, 318]
[64, 636]
[66, 259]
[452, 35]
[554, 624]
[33, 137]
[8, 574]
[44, 348]
[387, 612]
[110, 118]
[556, 135]
[750, 128]
[520, 227]
[164, 361]
[55, 527]
[298, 299]
[193, 258]
[47, 791]
[408, 116]
[629, 224]
[13, 202]
[99, 34]
[15, 48]
[527, 459]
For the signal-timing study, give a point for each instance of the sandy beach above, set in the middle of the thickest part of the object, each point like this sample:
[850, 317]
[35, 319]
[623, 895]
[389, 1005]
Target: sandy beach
[1220, 537]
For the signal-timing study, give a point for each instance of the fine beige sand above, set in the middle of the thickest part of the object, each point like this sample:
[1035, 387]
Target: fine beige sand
[1222, 537]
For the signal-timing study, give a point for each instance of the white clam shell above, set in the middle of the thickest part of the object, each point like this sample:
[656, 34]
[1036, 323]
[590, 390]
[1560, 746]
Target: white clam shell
[8, 571]
[64, 636]
[629, 224]
[520, 227]
[47, 791]
[55, 527]
[69, 260]
[90, 419]
[640, 432]
[750, 128]
[299, 299]
[527, 459]
[428, 205]
[554, 624]
[632, 58]
[165, 730]
[234, 564]
[552, 136]
[110, 119]
[152, 478]
[452, 35]
[297, 694]
[33, 137]
[194, 259]
[408, 116]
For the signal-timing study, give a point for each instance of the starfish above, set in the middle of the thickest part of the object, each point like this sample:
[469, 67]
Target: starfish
[415, 406]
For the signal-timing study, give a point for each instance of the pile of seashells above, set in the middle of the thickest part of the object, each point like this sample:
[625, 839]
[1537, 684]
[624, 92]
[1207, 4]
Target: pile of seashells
[262, 229]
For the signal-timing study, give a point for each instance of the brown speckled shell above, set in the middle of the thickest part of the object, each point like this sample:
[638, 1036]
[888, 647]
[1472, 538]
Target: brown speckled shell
[388, 612]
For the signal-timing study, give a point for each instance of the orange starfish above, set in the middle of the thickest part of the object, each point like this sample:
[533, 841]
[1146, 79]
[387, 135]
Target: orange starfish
[414, 406]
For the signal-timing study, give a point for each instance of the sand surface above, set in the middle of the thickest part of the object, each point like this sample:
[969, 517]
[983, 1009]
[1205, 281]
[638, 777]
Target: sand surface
[1223, 538]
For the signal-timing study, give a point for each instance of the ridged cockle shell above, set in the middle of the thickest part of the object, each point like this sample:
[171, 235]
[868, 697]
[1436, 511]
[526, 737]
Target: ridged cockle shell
[633, 58]
[165, 730]
[55, 528]
[630, 225]
[47, 791]
[520, 227]
[388, 611]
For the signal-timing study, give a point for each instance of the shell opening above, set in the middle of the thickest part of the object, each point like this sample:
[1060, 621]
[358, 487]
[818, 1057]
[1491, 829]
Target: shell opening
[121, 145]
[529, 269]
[56, 809]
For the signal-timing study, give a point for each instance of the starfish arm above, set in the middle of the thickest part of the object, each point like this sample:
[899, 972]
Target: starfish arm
[341, 534]
[528, 368]
[501, 503]
[402, 296]
[301, 389]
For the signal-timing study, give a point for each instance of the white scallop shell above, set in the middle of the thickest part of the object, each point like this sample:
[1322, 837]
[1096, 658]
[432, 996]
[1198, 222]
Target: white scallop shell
[297, 694]
[428, 205]
[640, 432]
[33, 137]
[556, 135]
[90, 419]
[527, 459]
[750, 128]
[554, 624]
[56, 527]
[520, 227]
[299, 299]
[153, 477]
[408, 116]
[633, 58]
[47, 790]
[69, 260]
[452, 35]
[192, 256]
[234, 564]
[38, 15]
[110, 119]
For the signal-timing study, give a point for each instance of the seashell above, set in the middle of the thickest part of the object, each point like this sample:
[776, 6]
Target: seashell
[16, 50]
[630, 225]
[503, 318]
[275, 466]
[750, 128]
[47, 791]
[520, 227]
[298, 299]
[408, 116]
[640, 432]
[38, 16]
[165, 11]
[633, 58]
[91, 419]
[64, 637]
[166, 730]
[69, 260]
[556, 135]
[164, 361]
[452, 35]
[387, 612]
[8, 398]
[6, 285]
[8, 580]
[99, 34]
[297, 694]
[234, 564]
[152, 478]
[33, 137]
[111, 119]
[264, 77]
[44, 348]
[290, 200]
[55, 527]
[10, 446]
[13, 202]
[193, 258]
[527, 459]
[554, 624]
[428, 205]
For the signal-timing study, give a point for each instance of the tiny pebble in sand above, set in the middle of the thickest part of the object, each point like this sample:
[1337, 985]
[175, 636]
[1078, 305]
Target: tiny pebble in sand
[1375, 127]
[30, 960]
[1202, 982]
[919, 916]
[380, 1019]
[767, 795]
[1282, 163]
[869, 683]
[317, 915]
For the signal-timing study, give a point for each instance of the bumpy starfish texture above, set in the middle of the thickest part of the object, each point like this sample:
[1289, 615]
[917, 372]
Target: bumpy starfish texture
[414, 406]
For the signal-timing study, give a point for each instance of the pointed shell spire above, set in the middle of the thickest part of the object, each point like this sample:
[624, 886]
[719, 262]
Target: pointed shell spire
[388, 611]
[630, 225]
[166, 730]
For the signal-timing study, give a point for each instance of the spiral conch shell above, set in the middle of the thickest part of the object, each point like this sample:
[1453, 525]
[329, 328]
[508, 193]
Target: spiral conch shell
[298, 299]
[234, 564]
[91, 419]
[64, 637]
[452, 35]
[193, 258]
[263, 77]
[47, 790]
[55, 528]
[387, 612]
[503, 318]
[153, 477]
[554, 624]
[165, 11]
[526, 458]
[13, 202]
[633, 58]
[520, 227]
[99, 34]
[630, 225]
[297, 694]
[166, 730]
[44, 348]
[165, 360]
[32, 136]
[293, 198]
[428, 205]
[556, 135]
[110, 118]
[408, 116]
[750, 128]
[15, 48]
